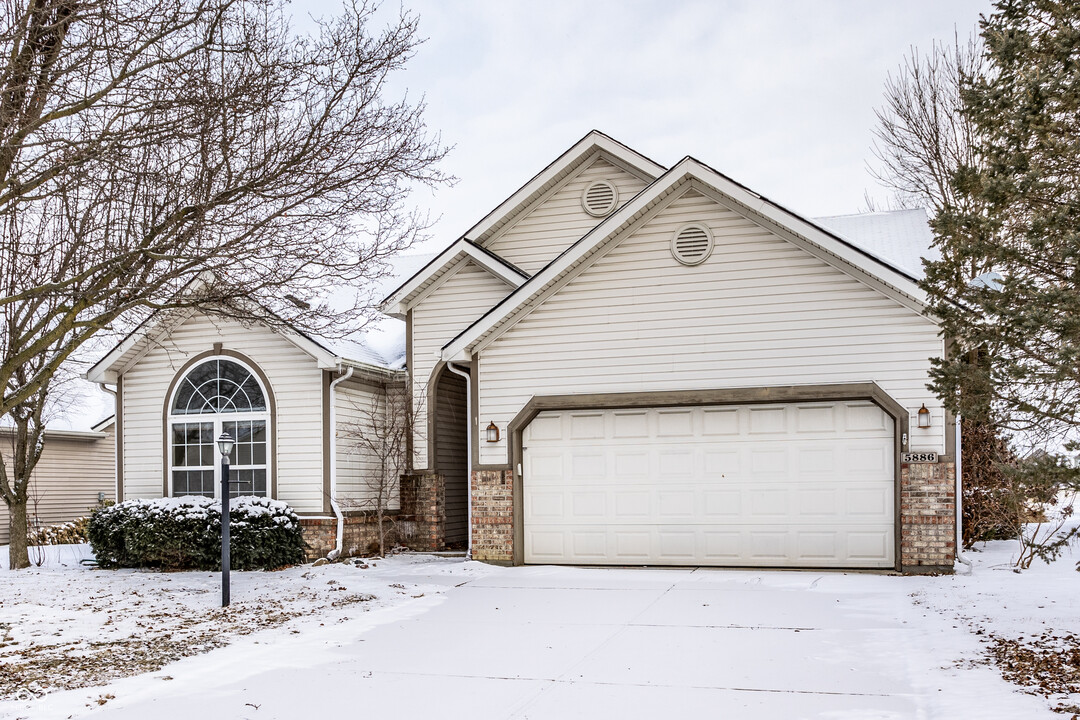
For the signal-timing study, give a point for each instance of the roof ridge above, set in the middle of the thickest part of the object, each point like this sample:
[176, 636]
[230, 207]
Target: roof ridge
[868, 214]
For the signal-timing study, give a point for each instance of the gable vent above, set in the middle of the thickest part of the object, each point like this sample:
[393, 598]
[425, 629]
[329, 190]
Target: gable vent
[692, 244]
[599, 198]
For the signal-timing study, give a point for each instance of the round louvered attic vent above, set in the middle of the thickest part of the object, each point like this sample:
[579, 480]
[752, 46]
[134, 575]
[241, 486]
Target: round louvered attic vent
[692, 244]
[599, 198]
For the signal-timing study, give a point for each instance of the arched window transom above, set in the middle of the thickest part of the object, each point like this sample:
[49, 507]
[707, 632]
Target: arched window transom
[216, 396]
[218, 386]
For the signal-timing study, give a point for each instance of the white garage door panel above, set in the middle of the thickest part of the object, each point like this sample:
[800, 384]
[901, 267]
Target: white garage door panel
[806, 484]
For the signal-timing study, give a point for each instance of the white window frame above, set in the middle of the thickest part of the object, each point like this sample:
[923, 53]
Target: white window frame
[218, 420]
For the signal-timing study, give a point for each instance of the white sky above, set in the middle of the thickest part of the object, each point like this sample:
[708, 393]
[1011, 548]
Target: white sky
[778, 95]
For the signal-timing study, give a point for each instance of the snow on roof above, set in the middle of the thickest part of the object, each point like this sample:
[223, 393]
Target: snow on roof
[901, 238]
[382, 341]
[76, 406]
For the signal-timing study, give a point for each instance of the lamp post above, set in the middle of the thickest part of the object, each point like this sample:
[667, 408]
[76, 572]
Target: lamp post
[225, 445]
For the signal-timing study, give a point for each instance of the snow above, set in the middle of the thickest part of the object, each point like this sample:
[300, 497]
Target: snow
[901, 238]
[419, 635]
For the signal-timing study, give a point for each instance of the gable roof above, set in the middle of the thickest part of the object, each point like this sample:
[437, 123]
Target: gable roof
[595, 143]
[892, 280]
[379, 347]
[397, 303]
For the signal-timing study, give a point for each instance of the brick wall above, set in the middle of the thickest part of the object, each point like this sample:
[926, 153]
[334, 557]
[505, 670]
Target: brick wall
[493, 515]
[320, 536]
[928, 516]
[422, 521]
[419, 524]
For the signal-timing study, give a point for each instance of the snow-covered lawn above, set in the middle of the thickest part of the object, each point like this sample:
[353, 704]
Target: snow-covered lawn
[420, 636]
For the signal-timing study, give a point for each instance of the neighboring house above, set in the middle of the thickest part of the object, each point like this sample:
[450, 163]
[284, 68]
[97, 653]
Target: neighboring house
[627, 365]
[77, 470]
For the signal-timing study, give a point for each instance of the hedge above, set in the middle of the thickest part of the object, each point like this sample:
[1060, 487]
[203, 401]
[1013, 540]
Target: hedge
[184, 533]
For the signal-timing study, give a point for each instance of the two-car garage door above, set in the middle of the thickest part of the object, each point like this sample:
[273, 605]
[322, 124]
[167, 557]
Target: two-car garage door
[796, 485]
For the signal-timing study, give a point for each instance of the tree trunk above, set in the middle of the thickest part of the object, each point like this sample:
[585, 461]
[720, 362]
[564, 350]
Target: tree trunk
[17, 555]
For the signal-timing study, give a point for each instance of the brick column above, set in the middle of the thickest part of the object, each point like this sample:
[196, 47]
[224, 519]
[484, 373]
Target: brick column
[928, 517]
[422, 522]
[493, 516]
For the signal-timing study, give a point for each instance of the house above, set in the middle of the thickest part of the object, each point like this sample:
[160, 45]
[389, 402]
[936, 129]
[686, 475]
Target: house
[621, 364]
[75, 473]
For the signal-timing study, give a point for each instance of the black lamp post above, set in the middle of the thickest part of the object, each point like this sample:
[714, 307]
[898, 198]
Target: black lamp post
[225, 445]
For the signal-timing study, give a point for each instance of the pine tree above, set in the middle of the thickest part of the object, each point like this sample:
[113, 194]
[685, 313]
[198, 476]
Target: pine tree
[1018, 341]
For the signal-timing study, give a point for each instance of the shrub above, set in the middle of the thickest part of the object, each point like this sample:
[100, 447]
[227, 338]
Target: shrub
[69, 533]
[184, 533]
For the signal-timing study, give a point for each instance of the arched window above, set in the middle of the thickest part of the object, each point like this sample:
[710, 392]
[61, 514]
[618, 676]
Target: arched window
[218, 395]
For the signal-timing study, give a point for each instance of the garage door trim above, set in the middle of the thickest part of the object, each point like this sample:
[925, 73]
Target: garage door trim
[689, 398]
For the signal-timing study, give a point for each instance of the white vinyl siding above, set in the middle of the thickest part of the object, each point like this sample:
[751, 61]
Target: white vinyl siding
[758, 312]
[68, 477]
[796, 485]
[295, 382]
[537, 237]
[456, 303]
[358, 408]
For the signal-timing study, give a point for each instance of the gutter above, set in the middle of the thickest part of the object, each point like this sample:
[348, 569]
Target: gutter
[468, 455]
[340, 534]
[119, 441]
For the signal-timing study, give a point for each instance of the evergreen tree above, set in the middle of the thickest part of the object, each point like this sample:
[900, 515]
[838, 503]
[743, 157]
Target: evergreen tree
[1017, 350]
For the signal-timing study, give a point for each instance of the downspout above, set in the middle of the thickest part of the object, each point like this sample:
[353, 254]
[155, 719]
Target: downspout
[960, 503]
[340, 542]
[116, 458]
[468, 454]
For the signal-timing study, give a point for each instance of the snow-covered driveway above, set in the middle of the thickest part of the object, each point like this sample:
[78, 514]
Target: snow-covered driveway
[541, 642]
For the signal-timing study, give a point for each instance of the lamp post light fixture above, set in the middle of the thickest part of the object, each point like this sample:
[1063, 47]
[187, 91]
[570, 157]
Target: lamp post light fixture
[225, 445]
[924, 417]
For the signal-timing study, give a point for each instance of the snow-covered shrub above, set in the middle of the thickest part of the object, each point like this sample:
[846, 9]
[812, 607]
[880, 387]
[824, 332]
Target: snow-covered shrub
[184, 533]
[69, 533]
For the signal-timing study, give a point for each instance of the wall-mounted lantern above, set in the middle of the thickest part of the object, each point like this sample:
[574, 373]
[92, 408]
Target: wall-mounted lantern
[492, 433]
[924, 417]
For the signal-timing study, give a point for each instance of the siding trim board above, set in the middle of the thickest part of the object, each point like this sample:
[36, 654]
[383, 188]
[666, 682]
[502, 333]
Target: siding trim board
[120, 439]
[217, 351]
[688, 398]
[431, 276]
[812, 248]
[512, 206]
[542, 198]
[327, 378]
[852, 259]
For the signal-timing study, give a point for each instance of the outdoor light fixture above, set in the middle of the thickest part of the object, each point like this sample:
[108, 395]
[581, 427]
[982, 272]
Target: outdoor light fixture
[492, 433]
[225, 445]
[924, 417]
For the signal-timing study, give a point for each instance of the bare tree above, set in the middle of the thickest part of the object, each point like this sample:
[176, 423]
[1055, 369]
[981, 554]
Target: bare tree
[165, 154]
[381, 433]
[922, 137]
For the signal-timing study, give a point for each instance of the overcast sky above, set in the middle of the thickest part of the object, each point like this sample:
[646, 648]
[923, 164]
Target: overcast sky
[778, 95]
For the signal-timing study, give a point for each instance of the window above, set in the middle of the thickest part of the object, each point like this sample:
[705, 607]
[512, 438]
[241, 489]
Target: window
[218, 396]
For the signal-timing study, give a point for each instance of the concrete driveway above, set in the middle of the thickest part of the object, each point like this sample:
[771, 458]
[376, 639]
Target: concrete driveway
[542, 642]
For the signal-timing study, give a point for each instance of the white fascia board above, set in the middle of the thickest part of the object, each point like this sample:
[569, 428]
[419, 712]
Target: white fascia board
[459, 349]
[397, 304]
[590, 143]
[324, 358]
[815, 234]
[103, 371]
